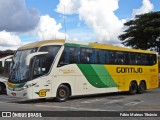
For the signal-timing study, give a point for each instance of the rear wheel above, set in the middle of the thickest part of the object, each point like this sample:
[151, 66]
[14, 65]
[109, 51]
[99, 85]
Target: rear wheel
[141, 87]
[133, 88]
[63, 93]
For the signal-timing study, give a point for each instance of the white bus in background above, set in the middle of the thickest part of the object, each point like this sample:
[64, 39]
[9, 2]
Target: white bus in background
[5, 63]
[159, 66]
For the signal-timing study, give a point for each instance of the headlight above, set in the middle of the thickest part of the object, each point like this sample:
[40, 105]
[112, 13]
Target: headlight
[29, 85]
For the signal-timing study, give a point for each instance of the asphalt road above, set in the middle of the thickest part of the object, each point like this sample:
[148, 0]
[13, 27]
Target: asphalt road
[149, 101]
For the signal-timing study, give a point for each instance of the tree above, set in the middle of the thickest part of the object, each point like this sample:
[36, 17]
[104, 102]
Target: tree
[143, 32]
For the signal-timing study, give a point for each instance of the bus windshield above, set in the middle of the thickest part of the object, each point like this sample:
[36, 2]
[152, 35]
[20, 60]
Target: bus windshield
[39, 65]
[20, 71]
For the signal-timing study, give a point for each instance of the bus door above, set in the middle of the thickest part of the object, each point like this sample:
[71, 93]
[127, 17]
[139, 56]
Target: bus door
[42, 79]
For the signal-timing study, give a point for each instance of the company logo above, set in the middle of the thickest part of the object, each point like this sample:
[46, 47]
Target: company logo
[42, 93]
[128, 70]
[67, 71]
[21, 114]
[6, 114]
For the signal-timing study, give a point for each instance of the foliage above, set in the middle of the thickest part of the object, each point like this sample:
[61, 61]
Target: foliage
[143, 32]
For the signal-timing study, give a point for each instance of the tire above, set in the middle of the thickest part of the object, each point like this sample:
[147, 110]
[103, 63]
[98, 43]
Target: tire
[63, 93]
[2, 88]
[141, 87]
[133, 88]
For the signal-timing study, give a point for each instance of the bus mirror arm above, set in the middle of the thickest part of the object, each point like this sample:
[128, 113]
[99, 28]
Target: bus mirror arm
[30, 56]
[5, 58]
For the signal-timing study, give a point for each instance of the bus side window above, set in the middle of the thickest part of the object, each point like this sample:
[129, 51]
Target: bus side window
[107, 57]
[64, 60]
[40, 67]
[87, 56]
[101, 57]
[112, 57]
[152, 59]
[126, 55]
[144, 59]
[141, 59]
[138, 59]
[132, 57]
[70, 55]
[120, 57]
[74, 55]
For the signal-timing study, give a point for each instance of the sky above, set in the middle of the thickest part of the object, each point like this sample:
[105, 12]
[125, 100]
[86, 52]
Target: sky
[26, 21]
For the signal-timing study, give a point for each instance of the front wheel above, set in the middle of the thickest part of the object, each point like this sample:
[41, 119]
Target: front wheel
[63, 93]
[141, 87]
[2, 88]
[133, 88]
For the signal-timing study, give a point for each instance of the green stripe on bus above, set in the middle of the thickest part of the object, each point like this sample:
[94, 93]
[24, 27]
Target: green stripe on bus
[18, 85]
[97, 75]
[104, 75]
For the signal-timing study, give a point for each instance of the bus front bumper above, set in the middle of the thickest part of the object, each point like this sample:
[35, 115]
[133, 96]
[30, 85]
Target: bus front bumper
[20, 94]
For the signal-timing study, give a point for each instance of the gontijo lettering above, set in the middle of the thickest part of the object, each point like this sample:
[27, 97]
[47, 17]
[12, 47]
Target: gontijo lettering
[128, 70]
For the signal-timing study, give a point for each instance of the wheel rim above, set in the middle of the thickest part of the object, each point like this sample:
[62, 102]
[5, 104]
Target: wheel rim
[142, 86]
[133, 88]
[62, 93]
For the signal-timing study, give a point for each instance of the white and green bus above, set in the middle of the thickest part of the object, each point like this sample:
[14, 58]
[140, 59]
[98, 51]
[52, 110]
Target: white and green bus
[61, 69]
[5, 63]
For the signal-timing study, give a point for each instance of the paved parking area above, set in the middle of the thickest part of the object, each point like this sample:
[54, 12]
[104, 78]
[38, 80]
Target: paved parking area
[149, 101]
[113, 102]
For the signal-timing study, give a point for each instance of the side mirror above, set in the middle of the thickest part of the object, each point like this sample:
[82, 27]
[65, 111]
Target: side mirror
[5, 59]
[30, 56]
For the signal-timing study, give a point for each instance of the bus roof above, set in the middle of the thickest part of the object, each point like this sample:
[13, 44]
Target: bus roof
[76, 44]
[39, 43]
[111, 47]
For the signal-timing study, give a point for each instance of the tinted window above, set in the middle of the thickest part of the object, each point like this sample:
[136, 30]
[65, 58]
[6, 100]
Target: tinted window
[88, 56]
[152, 59]
[43, 63]
[101, 57]
[41, 67]
[120, 58]
[98, 56]
[132, 59]
[112, 57]
[70, 55]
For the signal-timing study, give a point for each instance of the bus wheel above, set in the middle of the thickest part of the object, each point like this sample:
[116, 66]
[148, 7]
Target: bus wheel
[133, 88]
[63, 93]
[2, 88]
[141, 87]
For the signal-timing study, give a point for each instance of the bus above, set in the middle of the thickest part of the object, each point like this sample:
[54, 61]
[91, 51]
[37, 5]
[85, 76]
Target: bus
[60, 69]
[159, 67]
[5, 63]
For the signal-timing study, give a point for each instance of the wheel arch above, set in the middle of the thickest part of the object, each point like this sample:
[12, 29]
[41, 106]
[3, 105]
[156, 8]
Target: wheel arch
[3, 84]
[135, 81]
